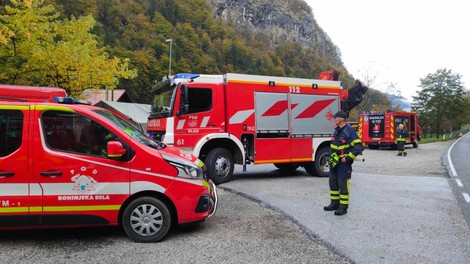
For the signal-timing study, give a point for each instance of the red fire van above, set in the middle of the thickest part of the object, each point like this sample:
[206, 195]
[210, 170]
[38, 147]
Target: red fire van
[65, 165]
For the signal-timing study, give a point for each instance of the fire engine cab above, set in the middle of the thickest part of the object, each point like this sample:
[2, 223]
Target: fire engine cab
[377, 129]
[66, 164]
[241, 119]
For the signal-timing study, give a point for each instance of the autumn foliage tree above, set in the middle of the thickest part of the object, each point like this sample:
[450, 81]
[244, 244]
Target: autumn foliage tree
[37, 48]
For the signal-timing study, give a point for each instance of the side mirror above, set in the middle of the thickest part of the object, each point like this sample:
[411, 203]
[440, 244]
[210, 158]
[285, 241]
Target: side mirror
[115, 149]
[184, 102]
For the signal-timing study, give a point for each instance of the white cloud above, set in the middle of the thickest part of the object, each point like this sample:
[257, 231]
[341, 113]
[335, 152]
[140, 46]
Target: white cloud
[402, 41]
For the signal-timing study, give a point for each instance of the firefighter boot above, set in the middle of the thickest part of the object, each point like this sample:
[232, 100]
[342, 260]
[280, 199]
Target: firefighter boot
[404, 154]
[342, 210]
[334, 205]
[399, 154]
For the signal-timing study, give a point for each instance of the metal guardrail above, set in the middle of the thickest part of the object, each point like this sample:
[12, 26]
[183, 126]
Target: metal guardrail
[459, 133]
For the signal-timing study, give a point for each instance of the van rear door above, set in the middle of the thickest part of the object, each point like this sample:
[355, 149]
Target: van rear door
[14, 165]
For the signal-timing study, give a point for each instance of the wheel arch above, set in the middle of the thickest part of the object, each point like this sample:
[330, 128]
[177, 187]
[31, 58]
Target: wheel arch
[227, 141]
[323, 144]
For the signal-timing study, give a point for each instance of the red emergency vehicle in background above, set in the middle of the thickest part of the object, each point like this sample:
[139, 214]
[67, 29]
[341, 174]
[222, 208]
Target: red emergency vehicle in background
[30, 93]
[241, 119]
[67, 164]
[377, 129]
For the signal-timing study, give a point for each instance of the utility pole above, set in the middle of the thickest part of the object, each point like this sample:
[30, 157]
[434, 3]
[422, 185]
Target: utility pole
[169, 67]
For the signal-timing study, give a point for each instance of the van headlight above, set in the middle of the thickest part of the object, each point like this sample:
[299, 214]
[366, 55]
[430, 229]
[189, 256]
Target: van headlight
[185, 168]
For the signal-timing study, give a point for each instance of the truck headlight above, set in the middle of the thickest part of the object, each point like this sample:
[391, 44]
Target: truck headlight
[185, 168]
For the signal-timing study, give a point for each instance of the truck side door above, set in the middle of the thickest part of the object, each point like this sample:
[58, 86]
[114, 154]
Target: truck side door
[201, 118]
[14, 165]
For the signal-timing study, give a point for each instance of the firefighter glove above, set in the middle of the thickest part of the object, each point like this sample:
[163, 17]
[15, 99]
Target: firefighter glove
[333, 160]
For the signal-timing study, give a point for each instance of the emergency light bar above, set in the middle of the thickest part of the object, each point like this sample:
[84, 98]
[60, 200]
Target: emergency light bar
[181, 77]
[185, 76]
[68, 100]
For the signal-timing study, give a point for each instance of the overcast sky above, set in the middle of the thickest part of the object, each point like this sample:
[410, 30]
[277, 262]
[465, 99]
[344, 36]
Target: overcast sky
[398, 41]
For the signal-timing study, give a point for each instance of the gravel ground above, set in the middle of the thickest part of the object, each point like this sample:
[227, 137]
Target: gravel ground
[426, 160]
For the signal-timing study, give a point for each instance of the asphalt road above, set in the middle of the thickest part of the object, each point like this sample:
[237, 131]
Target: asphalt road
[459, 169]
[402, 209]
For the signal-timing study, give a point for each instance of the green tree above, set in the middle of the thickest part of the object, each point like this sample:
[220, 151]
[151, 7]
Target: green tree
[466, 109]
[46, 51]
[440, 102]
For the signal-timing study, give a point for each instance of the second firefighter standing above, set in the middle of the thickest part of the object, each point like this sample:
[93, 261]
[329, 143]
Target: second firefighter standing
[345, 146]
[401, 136]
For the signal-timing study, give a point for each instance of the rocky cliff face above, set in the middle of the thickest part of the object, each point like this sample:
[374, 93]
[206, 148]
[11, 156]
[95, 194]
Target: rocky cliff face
[280, 20]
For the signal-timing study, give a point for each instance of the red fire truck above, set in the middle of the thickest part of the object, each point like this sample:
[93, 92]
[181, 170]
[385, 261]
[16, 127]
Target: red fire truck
[242, 119]
[377, 129]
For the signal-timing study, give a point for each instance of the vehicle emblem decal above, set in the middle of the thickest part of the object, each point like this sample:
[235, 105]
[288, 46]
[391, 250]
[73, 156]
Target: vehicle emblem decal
[83, 183]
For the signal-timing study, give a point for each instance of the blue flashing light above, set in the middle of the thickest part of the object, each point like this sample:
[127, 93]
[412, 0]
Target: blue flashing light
[68, 100]
[185, 76]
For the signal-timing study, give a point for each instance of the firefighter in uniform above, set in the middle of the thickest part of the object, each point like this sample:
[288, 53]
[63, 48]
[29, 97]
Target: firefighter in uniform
[345, 146]
[401, 136]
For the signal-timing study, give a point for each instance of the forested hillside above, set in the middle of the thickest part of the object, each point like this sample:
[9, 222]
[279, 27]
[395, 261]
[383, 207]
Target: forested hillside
[202, 41]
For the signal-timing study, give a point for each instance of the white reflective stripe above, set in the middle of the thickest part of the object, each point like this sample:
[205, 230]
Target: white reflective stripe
[145, 186]
[154, 174]
[97, 188]
[186, 180]
[190, 181]
[205, 120]
[21, 189]
[180, 124]
[240, 116]
[35, 189]
[169, 137]
[12, 189]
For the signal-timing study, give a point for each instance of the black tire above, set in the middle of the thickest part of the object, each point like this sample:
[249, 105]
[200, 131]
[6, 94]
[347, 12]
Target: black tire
[146, 219]
[219, 163]
[320, 166]
[415, 144]
[287, 168]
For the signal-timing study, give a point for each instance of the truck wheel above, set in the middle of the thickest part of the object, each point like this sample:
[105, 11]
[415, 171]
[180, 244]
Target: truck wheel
[320, 166]
[146, 219]
[287, 168]
[415, 144]
[219, 163]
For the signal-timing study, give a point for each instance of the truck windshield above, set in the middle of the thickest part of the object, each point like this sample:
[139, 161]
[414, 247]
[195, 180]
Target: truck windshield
[131, 130]
[162, 103]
